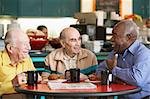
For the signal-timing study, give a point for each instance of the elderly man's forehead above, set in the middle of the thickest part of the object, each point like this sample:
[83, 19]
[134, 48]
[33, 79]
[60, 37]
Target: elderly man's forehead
[18, 35]
[15, 32]
[70, 29]
[119, 27]
[71, 32]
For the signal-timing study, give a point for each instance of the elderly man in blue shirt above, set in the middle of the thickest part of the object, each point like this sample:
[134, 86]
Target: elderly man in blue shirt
[130, 60]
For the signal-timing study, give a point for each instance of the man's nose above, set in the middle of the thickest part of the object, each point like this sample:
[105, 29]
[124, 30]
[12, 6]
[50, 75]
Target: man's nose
[28, 46]
[78, 42]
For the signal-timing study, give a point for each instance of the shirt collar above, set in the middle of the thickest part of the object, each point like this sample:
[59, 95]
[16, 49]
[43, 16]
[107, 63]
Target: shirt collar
[132, 49]
[60, 54]
[66, 57]
[5, 57]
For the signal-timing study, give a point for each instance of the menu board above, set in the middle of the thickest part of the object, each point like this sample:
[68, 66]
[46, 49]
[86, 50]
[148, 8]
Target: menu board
[107, 5]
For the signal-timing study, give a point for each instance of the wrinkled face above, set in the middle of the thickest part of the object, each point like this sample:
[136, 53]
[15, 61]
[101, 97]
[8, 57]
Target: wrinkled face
[119, 40]
[72, 43]
[21, 48]
[148, 24]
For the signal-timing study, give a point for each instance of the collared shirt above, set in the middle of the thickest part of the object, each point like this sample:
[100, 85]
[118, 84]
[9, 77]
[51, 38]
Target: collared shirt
[85, 59]
[86, 62]
[8, 72]
[70, 62]
[133, 67]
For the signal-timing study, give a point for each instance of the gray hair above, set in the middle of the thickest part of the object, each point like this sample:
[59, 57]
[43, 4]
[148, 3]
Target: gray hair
[62, 35]
[10, 36]
[130, 27]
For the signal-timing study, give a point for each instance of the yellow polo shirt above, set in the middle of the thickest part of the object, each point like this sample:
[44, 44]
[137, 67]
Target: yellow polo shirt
[8, 72]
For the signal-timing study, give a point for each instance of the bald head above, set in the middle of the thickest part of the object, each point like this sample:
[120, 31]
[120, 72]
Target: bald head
[128, 27]
[124, 35]
[71, 41]
[67, 31]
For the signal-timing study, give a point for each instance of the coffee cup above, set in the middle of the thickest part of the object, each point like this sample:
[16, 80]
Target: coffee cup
[105, 77]
[32, 78]
[73, 75]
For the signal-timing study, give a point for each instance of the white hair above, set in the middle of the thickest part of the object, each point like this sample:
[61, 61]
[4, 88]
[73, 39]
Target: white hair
[10, 35]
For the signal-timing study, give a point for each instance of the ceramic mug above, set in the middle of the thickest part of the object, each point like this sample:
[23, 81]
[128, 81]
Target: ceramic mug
[73, 75]
[105, 77]
[32, 78]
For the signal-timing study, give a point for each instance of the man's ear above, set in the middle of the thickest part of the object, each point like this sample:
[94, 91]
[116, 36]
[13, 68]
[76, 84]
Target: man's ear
[129, 36]
[9, 48]
[62, 43]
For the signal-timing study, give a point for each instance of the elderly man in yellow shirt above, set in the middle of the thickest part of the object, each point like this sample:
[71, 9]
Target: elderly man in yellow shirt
[14, 60]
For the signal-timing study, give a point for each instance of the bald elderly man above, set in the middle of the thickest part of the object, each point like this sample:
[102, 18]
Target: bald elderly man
[14, 60]
[132, 64]
[71, 55]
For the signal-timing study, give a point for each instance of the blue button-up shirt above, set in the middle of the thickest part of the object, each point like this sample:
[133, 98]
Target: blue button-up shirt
[133, 67]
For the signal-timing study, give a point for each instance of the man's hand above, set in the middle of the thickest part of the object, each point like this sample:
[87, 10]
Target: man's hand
[111, 63]
[93, 77]
[15, 81]
[19, 79]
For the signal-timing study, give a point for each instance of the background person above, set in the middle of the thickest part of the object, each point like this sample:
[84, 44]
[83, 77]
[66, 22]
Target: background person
[71, 55]
[132, 64]
[147, 23]
[54, 42]
[43, 28]
[14, 60]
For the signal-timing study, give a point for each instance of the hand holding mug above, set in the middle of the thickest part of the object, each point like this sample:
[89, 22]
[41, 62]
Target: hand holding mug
[19, 79]
[111, 63]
